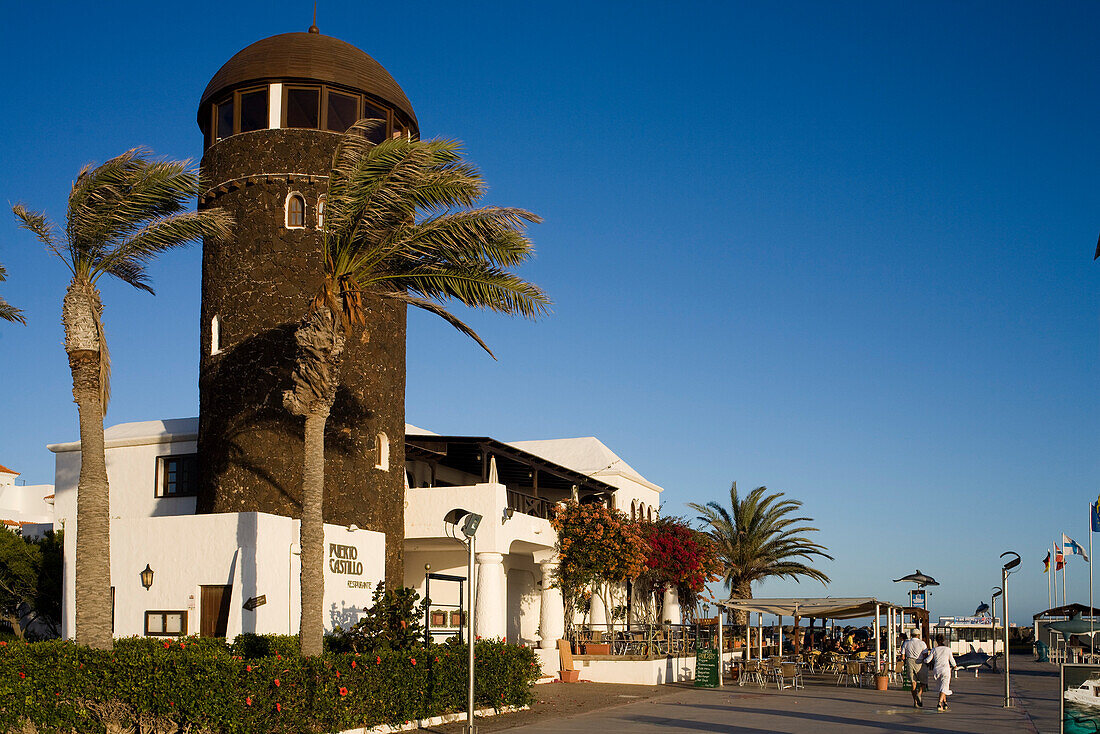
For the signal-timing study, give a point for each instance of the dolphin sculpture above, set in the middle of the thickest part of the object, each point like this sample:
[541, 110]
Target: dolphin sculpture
[1074, 626]
[974, 660]
[920, 579]
[982, 609]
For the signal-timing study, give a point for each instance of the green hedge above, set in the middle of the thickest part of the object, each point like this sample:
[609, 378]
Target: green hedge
[257, 685]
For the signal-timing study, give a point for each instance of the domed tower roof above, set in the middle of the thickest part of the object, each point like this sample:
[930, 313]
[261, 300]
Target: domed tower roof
[308, 56]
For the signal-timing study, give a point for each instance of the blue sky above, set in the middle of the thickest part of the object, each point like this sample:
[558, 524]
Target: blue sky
[841, 250]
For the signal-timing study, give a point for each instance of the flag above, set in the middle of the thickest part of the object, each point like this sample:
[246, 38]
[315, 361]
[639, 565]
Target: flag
[1095, 507]
[1059, 559]
[1046, 563]
[1074, 547]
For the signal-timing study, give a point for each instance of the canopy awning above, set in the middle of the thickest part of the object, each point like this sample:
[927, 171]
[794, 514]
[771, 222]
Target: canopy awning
[821, 607]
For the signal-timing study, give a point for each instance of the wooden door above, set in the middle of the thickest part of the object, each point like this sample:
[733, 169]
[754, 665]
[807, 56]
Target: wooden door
[214, 619]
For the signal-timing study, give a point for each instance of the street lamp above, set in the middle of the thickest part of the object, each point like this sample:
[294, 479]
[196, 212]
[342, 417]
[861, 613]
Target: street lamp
[470, 523]
[997, 591]
[1005, 570]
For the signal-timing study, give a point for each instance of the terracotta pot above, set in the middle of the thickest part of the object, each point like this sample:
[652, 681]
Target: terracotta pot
[569, 676]
[597, 648]
[882, 682]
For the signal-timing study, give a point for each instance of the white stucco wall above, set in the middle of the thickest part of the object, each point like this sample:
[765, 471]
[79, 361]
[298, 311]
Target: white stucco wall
[26, 503]
[132, 450]
[426, 509]
[254, 553]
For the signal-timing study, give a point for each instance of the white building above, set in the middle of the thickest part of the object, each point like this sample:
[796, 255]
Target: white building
[216, 574]
[25, 508]
[222, 574]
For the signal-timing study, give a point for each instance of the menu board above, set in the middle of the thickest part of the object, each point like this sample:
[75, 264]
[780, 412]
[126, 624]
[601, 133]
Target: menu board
[706, 667]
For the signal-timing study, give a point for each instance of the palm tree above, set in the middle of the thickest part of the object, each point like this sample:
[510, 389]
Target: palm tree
[757, 539]
[121, 215]
[7, 311]
[398, 226]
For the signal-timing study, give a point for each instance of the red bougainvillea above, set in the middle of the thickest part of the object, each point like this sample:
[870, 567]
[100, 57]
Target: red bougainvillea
[679, 556]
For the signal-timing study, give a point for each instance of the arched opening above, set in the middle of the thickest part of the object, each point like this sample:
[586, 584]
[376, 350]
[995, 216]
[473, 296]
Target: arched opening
[382, 451]
[295, 211]
[633, 509]
[321, 211]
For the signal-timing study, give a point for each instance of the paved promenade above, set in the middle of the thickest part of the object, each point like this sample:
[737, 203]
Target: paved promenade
[823, 708]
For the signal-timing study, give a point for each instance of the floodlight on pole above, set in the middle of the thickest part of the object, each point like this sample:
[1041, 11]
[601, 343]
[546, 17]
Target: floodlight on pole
[470, 523]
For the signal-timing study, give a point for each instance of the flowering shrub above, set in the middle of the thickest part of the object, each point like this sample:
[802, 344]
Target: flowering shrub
[681, 557]
[205, 684]
[597, 546]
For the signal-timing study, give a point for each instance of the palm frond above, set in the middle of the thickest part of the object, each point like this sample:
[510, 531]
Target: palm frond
[438, 310]
[38, 224]
[7, 311]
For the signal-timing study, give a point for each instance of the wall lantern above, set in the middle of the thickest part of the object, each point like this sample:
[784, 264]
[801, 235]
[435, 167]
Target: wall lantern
[147, 577]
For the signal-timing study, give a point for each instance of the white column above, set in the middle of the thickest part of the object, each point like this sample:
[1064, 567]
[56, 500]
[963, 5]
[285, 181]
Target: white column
[552, 611]
[597, 612]
[670, 606]
[491, 596]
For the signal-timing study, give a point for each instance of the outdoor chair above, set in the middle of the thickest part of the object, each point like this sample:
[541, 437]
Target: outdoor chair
[751, 673]
[850, 673]
[793, 673]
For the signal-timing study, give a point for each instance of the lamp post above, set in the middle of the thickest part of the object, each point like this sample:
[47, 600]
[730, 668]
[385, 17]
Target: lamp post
[427, 604]
[470, 522]
[997, 591]
[1005, 570]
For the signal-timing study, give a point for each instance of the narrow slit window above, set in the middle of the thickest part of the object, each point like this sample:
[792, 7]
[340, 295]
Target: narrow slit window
[215, 335]
[295, 212]
[303, 108]
[321, 211]
[382, 450]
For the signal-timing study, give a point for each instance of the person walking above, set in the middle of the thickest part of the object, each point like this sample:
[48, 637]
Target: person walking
[912, 652]
[942, 664]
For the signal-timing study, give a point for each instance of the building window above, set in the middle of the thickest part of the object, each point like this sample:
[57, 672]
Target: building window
[215, 335]
[295, 211]
[633, 509]
[321, 211]
[224, 119]
[166, 624]
[177, 476]
[382, 450]
[650, 518]
[375, 113]
[303, 107]
[253, 110]
[341, 112]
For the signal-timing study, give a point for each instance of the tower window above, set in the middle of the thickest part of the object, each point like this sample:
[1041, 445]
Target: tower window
[254, 110]
[375, 113]
[341, 112]
[382, 449]
[303, 108]
[295, 211]
[321, 211]
[215, 335]
[225, 119]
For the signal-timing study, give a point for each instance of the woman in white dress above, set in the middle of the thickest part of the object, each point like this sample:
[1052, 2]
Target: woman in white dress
[941, 663]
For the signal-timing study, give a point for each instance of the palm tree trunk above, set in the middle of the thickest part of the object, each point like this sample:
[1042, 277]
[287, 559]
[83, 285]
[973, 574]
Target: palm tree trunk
[80, 314]
[312, 539]
[316, 377]
[742, 590]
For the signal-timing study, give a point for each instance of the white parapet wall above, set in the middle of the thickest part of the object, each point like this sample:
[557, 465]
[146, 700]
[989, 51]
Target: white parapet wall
[254, 554]
[639, 671]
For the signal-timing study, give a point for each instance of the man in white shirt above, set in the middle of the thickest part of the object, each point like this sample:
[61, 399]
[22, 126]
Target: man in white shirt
[913, 651]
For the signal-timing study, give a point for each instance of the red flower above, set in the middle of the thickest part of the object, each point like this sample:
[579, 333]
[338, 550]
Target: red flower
[167, 645]
[248, 701]
[353, 663]
[437, 659]
[171, 704]
[22, 675]
[279, 707]
[182, 646]
[248, 668]
[412, 660]
[378, 660]
[337, 673]
[343, 691]
[3, 644]
[277, 683]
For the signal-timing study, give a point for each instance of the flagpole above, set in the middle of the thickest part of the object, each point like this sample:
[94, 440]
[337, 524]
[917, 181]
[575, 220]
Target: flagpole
[1092, 637]
[1063, 576]
[1049, 574]
[1054, 568]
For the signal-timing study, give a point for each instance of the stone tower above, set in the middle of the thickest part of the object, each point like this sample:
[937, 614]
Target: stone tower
[271, 118]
